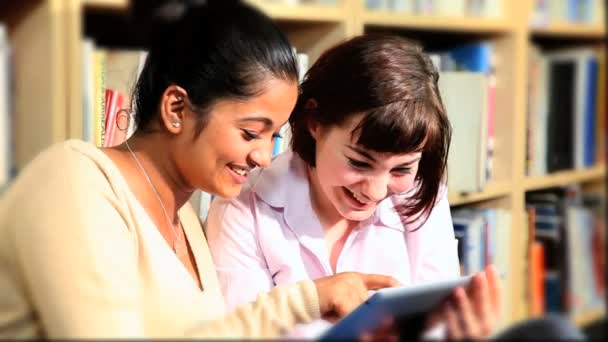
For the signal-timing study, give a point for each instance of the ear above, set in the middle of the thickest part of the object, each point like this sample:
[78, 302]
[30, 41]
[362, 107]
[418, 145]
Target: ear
[172, 109]
[313, 126]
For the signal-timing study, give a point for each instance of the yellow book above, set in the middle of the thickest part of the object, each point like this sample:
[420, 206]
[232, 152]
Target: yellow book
[99, 97]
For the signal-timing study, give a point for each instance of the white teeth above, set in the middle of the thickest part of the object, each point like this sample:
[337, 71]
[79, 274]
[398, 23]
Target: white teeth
[239, 170]
[361, 200]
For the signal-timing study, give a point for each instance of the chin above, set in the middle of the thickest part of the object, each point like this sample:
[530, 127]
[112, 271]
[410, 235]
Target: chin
[225, 191]
[354, 215]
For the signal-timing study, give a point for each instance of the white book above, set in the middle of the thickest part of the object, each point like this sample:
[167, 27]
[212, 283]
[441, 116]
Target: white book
[401, 6]
[503, 259]
[539, 116]
[451, 8]
[465, 97]
[204, 204]
[5, 107]
[88, 46]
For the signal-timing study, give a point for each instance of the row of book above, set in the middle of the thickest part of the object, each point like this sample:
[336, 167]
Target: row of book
[108, 79]
[484, 237]
[456, 8]
[546, 12]
[298, 2]
[566, 110]
[7, 164]
[566, 251]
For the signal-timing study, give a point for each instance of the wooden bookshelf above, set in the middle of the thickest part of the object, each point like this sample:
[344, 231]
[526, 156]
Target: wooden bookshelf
[107, 4]
[48, 100]
[565, 177]
[569, 30]
[588, 317]
[304, 12]
[435, 23]
[492, 191]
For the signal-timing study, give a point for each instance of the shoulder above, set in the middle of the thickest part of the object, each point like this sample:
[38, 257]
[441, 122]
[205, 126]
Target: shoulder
[438, 215]
[71, 161]
[71, 173]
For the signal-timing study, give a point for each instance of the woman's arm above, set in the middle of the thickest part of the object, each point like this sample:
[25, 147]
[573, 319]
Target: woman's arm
[271, 315]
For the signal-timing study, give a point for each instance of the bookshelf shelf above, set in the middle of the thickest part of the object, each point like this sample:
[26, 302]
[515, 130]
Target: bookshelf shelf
[51, 32]
[302, 12]
[492, 191]
[565, 177]
[435, 23]
[585, 318]
[569, 30]
[107, 4]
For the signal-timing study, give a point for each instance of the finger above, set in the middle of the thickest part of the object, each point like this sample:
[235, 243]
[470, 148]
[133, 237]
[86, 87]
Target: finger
[378, 281]
[384, 332]
[494, 286]
[366, 337]
[434, 317]
[482, 304]
[451, 319]
[464, 310]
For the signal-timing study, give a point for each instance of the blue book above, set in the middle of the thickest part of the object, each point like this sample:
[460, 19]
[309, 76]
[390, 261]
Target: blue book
[276, 148]
[590, 113]
[553, 302]
[474, 57]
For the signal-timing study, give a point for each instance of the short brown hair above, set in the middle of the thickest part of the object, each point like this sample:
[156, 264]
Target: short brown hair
[393, 83]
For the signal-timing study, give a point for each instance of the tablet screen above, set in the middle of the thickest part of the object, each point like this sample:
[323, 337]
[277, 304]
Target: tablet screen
[404, 304]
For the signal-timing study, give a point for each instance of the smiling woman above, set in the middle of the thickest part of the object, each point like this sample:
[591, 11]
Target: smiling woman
[102, 243]
[363, 189]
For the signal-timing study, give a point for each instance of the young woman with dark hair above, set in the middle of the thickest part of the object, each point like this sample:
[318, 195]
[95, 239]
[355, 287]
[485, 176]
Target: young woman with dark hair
[101, 243]
[363, 189]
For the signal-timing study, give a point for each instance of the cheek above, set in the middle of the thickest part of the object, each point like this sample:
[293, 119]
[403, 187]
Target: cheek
[403, 184]
[338, 174]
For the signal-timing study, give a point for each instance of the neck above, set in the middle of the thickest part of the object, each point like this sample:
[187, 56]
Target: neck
[326, 212]
[154, 154]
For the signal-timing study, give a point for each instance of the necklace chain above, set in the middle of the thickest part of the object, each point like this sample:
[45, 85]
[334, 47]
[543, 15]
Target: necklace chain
[176, 231]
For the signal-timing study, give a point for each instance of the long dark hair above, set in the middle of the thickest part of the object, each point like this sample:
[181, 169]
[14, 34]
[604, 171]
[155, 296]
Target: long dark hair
[223, 49]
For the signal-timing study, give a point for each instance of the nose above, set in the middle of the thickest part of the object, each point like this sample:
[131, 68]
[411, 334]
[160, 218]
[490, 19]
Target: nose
[375, 187]
[261, 156]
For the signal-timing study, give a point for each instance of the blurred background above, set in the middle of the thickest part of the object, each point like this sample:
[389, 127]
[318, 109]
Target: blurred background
[524, 84]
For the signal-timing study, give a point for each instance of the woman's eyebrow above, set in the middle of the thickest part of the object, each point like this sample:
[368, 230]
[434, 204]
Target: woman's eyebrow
[362, 153]
[409, 163]
[266, 121]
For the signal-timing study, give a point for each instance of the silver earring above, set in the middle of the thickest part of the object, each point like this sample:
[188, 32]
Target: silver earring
[176, 124]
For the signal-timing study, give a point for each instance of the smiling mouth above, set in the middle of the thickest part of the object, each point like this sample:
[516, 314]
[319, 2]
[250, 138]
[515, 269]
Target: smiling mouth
[357, 199]
[239, 170]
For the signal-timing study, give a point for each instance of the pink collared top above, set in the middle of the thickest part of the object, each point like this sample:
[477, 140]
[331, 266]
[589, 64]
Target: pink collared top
[270, 236]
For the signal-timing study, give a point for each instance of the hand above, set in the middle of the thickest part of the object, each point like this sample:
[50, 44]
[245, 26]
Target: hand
[341, 293]
[473, 313]
[386, 332]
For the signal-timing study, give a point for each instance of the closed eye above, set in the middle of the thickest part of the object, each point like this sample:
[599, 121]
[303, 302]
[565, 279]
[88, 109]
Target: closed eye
[249, 135]
[402, 171]
[357, 164]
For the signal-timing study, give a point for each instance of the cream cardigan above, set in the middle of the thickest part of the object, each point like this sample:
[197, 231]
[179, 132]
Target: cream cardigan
[80, 258]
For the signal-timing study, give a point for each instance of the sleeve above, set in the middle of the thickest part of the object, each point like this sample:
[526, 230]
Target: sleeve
[433, 248]
[239, 260]
[271, 315]
[76, 256]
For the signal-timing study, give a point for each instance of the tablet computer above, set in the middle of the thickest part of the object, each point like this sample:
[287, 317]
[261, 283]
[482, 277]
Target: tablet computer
[394, 302]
